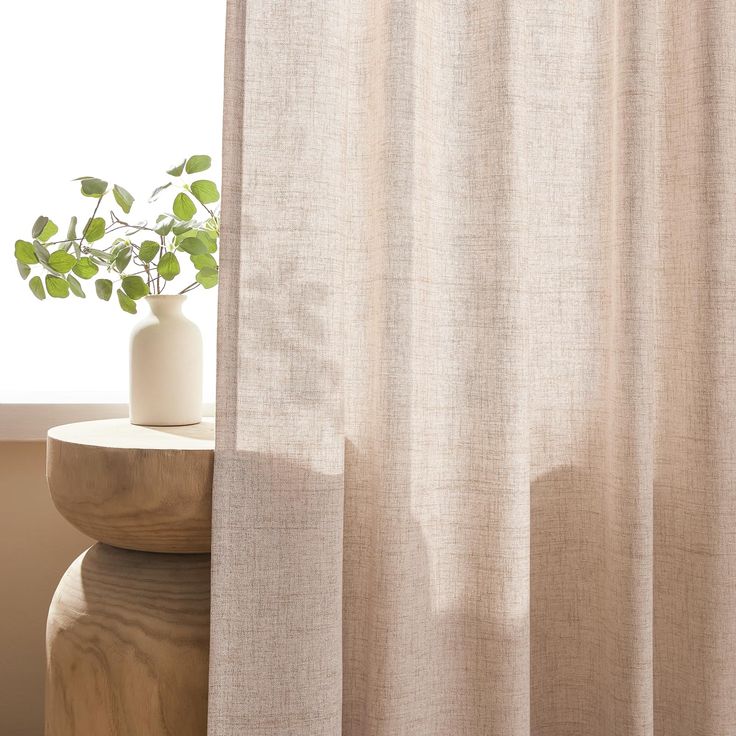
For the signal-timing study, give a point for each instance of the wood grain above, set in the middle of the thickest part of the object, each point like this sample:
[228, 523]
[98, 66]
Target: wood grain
[142, 488]
[127, 645]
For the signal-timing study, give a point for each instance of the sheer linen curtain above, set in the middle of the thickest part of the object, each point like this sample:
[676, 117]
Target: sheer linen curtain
[476, 440]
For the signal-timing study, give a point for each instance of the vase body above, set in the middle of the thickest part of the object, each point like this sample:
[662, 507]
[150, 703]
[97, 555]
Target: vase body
[165, 366]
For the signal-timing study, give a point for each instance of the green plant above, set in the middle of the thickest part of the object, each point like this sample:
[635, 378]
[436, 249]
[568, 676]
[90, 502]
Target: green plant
[134, 259]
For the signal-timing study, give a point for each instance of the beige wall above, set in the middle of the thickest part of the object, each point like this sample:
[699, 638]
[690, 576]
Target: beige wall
[36, 546]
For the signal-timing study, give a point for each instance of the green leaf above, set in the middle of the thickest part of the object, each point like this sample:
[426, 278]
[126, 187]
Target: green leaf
[126, 303]
[76, 287]
[158, 191]
[135, 287]
[189, 232]
[182, 227]
[85, 268]
[196, 164]
[43, 229]
[71, 232]
[168, 266]
[177, 170]
[103, 287]
[148, 251]
[25, 252]
[208, 239]
[193, 246]
[36, 286]
[205, 191]
[23, 269]
[207, 277]
[92, 187]
[57, 287]
[184, 208]
[41, 252]
[48, 232]
[61, 261]
[38, 226]
[123, 197]
[203, 261]
[122, 259]
[101, 255]
[94, 230]
[163, 225]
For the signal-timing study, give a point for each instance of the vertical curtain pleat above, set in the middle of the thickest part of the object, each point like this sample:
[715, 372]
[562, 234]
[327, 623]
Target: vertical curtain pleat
[277, 636]
[434, 606]
[476, 398]
[629, 328]
[695, 503]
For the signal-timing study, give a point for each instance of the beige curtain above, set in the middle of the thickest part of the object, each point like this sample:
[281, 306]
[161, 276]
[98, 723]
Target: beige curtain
[476, 469]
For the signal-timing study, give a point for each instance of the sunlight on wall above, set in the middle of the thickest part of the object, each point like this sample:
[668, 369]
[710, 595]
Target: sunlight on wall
[118, 91]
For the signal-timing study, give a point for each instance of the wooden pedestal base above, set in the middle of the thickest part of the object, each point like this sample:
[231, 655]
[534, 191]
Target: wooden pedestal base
[127, 637]
[127, 645]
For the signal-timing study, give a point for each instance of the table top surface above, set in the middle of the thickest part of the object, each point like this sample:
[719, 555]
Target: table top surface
[120, 433]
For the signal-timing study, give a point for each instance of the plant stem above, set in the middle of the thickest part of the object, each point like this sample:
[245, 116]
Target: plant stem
[147, 269]
[120, 225]
[49, 243]
[84, 232]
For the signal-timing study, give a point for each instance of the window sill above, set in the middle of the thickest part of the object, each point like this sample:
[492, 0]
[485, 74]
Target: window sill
[29, 421]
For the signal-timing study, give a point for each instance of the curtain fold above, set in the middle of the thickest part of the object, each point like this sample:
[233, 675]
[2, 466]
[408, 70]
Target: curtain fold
[476, 403]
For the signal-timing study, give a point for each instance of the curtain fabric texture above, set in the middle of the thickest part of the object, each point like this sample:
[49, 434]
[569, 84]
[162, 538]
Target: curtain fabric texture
[476, 424]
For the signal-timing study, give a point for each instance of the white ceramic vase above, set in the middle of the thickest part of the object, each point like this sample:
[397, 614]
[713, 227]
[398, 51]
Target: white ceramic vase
[165, 366]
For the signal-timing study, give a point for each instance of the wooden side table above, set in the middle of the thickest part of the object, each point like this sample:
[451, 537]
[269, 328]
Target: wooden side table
[127, 636]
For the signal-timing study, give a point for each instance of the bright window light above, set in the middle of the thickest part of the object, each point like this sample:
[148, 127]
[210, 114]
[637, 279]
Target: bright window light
[118, 91]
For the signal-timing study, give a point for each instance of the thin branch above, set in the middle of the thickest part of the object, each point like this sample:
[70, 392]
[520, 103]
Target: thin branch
[190, 287]
[86, 227]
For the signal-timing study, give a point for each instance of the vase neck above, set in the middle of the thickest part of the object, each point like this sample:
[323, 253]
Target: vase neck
[166, 306]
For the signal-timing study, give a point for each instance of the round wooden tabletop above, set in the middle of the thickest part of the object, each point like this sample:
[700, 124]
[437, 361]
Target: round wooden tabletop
[143, 488]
